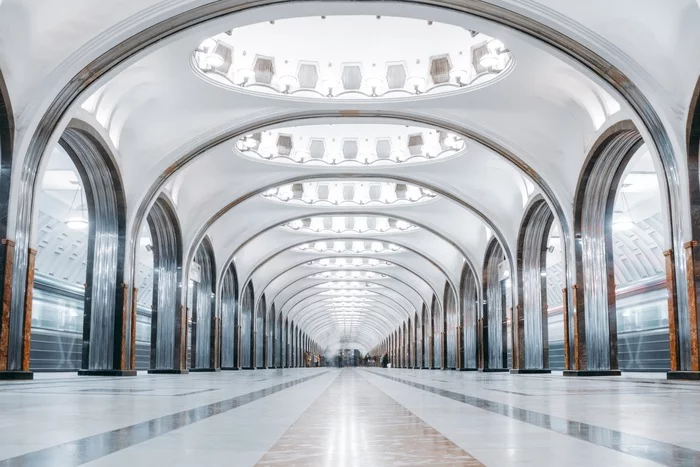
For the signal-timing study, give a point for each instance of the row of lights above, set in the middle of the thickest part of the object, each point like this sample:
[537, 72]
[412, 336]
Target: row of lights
[494, 61]
[357, 247]
[338, 224]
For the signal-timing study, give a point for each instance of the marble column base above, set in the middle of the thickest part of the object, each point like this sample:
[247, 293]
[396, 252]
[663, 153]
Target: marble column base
[687, 375]
[16, 375]
[592, 373]
[494, 370]
[205, 370]
[229, 368]
[529, 371]
[106, 372]
[168, 372]
[467, 369]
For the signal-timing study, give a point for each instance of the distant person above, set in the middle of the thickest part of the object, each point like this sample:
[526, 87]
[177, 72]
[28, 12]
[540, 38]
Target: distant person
[385, 360]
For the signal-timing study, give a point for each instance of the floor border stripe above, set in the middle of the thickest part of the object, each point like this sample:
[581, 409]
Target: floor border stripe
[627, 443]
[84, 450]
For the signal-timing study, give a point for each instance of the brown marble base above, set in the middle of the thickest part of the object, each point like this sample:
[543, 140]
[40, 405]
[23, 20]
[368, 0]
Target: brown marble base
[494, 370]
[168, 372]
[15, 375]
[687, 375]
[204, 370]
[529, 371]
[592, 373]
[106, 372]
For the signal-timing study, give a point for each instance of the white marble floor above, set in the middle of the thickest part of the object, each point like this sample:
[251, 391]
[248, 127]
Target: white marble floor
[247, 417]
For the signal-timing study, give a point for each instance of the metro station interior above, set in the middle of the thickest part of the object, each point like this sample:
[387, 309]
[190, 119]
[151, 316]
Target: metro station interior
[377, 233]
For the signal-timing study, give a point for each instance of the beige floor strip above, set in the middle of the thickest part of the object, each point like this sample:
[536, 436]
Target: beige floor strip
[353, 423]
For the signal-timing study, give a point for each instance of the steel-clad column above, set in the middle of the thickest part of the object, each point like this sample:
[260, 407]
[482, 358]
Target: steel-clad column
[531, 319]
[166, 318]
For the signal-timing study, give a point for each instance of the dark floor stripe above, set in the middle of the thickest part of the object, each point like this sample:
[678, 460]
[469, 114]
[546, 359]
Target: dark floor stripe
[637, 446]
[84, 450]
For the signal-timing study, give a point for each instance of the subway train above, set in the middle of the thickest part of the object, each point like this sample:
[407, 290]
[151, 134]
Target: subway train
[57, 327]
[642, 328]
[643, 341]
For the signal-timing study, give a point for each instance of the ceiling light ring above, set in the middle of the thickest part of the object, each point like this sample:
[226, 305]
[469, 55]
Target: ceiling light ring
[416, 158]
[243, 84]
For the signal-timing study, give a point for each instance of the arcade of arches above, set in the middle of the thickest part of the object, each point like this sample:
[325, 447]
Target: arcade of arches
[505, 189]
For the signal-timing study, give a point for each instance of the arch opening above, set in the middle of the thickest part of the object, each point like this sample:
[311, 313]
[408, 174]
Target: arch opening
[80, 262]
[620, 236]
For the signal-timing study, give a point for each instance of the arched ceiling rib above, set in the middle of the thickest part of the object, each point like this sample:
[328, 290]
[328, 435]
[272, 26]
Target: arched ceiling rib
[280, 275]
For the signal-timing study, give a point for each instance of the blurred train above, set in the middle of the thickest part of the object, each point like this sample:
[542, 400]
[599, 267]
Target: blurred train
[642, 328]
[57, 327]
[57, 323]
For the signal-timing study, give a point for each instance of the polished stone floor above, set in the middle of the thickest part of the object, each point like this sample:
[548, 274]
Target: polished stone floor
[350, 417]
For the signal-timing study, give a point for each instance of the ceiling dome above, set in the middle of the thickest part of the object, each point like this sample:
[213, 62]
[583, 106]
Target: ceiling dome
[358, 57]
[350, 224]
[349, 193]
[350, 144]
[346, 262]
[350, 246]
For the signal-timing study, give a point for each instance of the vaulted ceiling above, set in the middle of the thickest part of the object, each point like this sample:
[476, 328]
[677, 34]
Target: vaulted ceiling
[353, 158]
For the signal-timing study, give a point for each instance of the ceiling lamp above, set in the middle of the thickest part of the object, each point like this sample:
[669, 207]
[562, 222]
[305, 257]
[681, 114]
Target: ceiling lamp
[213, 60]
[493, 60]
[76, 223]
[244, 76]
[76, 219]
[373, 84]
[329, 85]
[461, 77]
[289, 82]
[416, 84]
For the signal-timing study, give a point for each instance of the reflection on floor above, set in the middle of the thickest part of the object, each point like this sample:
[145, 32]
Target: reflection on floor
[354, 423]
[350, 417]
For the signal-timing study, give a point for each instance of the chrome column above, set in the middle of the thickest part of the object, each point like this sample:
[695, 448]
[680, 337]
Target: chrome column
[471, 323]
[167, 279]
[229, 319]
[532, 340]
[494, 315]
[247, 327]
[105, 326]
[452, 320]
[594, 257]
[203, 312]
